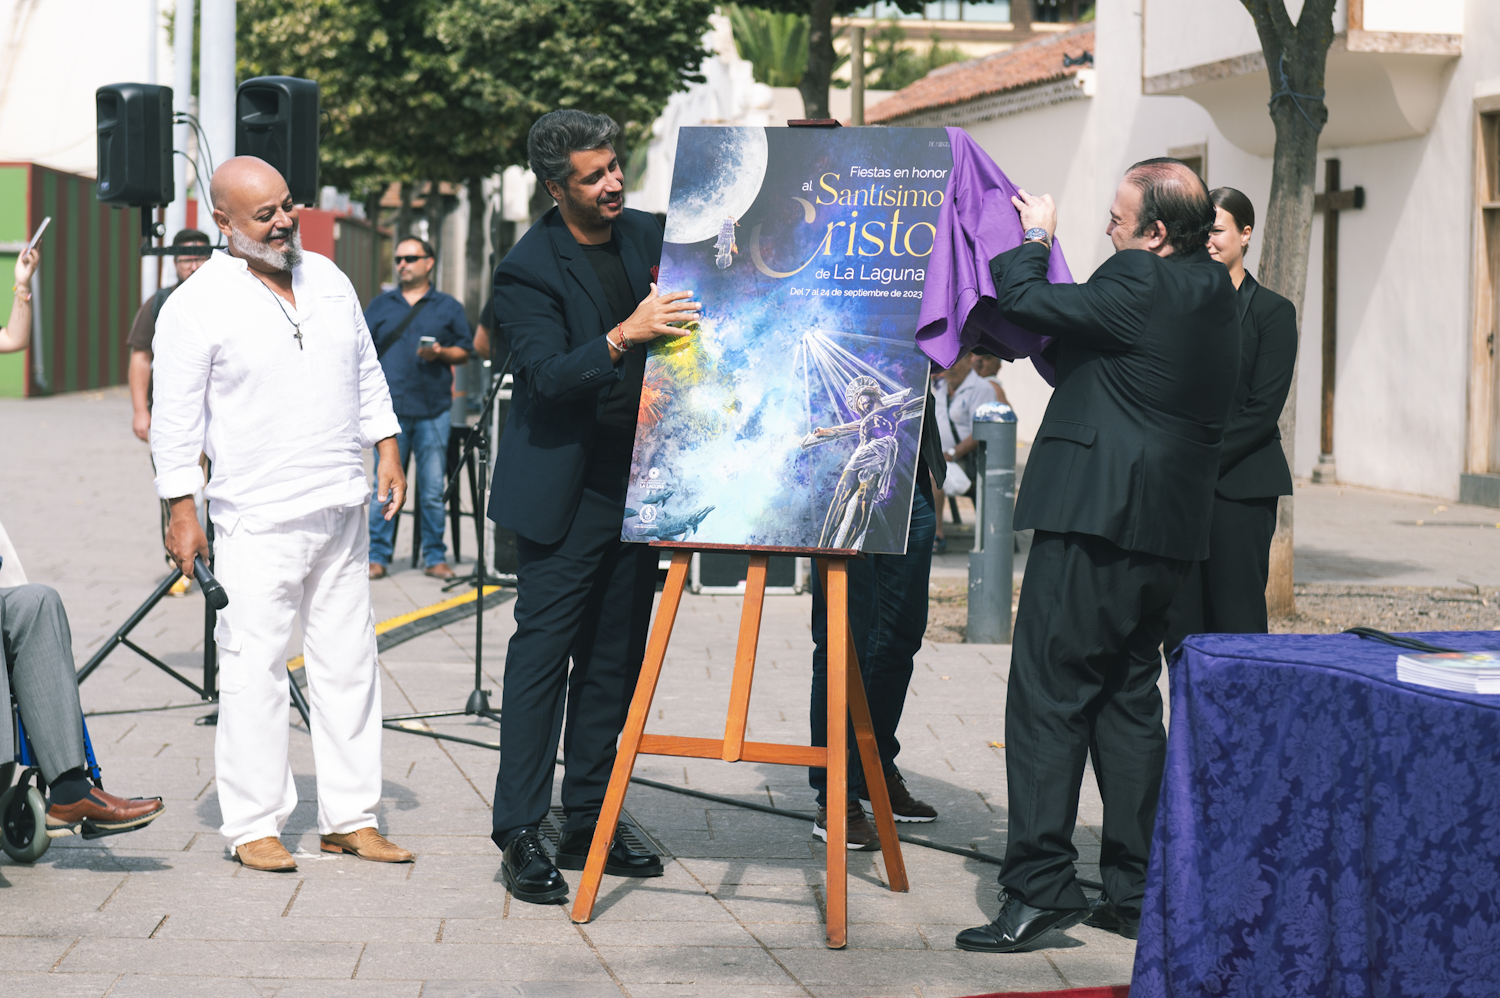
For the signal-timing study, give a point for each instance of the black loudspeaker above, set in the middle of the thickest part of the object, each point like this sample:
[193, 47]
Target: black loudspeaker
[276, 119]
[135, 144]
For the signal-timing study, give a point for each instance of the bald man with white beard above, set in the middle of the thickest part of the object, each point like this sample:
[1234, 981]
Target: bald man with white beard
[264, 363]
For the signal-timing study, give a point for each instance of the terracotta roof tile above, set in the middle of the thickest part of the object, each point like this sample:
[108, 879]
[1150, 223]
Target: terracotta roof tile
[1037, 61]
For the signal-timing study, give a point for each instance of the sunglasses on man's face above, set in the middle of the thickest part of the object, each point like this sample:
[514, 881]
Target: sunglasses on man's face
[412, 259]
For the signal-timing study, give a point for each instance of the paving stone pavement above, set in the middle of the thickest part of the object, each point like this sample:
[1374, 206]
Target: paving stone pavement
[164, 913]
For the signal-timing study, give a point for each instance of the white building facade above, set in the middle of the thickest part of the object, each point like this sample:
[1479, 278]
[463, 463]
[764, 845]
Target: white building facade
[1413, 91]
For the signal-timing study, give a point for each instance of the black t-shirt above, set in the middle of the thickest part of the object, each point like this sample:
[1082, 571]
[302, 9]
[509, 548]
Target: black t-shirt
[617, 416]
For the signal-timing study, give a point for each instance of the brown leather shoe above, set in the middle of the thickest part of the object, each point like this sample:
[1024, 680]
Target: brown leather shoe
[859, 833]
[366, 843]
[102, 813]
[266, 854]
[377, 571]
[440, 571]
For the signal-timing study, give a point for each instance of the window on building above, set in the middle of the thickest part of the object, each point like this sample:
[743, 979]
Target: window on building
[1061, 11]
[1051, 11]
[1195, 156]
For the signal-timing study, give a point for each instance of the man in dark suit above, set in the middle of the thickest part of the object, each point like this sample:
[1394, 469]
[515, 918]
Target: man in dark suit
[576, 304]
[1118, 488]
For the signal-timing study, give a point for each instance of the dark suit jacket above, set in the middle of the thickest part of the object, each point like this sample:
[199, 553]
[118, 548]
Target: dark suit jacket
[552, 313]
[1147, 357]
[1252, 464]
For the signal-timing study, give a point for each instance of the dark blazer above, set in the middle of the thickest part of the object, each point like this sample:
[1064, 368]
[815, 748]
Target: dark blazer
[1252, 464]
[1147, 356]
[552, 313]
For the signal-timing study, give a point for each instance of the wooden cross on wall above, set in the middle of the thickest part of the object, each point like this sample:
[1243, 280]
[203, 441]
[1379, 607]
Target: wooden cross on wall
[1332, 201]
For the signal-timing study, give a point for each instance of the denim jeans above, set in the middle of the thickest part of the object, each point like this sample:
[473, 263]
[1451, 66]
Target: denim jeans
[430, 438]
[888, 615]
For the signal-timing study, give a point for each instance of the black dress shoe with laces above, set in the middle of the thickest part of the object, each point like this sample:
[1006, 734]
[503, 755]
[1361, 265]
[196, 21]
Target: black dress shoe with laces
[621, 861]
[1017, 926]
[1103, 914]
[529, 874]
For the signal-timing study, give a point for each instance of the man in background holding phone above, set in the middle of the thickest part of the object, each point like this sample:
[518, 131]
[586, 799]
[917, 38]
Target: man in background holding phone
[420, 335]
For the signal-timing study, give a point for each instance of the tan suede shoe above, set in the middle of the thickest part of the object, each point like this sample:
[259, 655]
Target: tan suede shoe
[366, 843]
[266, 854]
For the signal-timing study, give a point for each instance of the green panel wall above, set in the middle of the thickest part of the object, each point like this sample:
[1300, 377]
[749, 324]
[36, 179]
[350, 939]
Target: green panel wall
[12, 230]
[13, 209]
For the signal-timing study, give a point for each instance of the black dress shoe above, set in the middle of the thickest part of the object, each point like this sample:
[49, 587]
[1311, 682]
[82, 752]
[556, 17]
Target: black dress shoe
[1104, 915]
[1017, 926]
[529, 874]
[621, 861]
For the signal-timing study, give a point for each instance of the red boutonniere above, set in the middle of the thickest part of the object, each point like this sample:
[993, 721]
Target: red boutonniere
[654, 271]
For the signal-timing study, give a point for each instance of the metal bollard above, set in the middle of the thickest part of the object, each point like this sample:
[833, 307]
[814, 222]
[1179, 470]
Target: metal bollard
[992, 562]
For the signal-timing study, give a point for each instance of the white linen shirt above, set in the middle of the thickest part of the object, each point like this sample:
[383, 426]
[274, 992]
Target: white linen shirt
[285, 424]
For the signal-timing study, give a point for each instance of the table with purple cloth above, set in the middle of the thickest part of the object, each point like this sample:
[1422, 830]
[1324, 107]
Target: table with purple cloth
[1324, 829]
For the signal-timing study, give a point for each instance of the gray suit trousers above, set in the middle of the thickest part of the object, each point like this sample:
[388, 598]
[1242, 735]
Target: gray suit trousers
[38, 655]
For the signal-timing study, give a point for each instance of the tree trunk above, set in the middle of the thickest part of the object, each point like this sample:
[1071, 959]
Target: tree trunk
[475, 291]
[1020, 17]
[1283, 269]
[1296, 57]
[404, 213]
[814, 85]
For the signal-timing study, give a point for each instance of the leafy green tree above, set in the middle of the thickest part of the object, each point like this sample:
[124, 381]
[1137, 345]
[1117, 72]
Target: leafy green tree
[892, 65]
[774, 43]
[371, 60]
[821, 61]
[446, 90]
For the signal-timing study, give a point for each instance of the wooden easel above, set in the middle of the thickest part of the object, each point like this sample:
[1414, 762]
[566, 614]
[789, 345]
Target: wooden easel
[846, 698]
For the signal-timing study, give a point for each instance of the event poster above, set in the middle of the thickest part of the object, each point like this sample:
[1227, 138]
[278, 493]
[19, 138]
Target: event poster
[791, 415]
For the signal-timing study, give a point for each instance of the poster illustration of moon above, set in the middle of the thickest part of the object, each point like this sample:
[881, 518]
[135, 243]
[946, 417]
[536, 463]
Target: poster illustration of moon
[791, 415]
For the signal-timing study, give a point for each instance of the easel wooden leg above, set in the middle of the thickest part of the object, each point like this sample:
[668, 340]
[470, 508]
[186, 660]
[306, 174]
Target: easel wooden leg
[630, 737]
[837, 794]
[869, 757]
[744, 658]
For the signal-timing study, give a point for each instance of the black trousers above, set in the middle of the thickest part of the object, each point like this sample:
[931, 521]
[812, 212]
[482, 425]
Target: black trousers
[586, 598]
[1083, 672]
[1226, 592]
[888, 615]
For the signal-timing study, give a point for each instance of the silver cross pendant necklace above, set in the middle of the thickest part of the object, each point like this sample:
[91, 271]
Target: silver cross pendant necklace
[296, 326]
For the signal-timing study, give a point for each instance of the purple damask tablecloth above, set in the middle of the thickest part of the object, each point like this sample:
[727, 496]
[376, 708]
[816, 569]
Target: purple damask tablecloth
[1324, 829]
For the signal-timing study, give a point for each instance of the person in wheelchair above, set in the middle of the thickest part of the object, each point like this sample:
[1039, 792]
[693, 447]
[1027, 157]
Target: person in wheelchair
[38, 676]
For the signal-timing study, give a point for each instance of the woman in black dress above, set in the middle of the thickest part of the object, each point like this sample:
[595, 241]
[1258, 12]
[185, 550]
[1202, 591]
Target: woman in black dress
[1225, 593]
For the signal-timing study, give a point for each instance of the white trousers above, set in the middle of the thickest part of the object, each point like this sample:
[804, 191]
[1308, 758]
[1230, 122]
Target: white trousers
[315, 567]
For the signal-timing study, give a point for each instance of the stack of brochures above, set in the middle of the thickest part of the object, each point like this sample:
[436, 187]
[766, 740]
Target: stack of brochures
[1465, 672]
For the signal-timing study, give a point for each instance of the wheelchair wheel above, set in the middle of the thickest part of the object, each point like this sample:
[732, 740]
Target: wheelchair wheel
[23, 823]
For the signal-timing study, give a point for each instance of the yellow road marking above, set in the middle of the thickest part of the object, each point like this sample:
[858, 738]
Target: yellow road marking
[294, 664]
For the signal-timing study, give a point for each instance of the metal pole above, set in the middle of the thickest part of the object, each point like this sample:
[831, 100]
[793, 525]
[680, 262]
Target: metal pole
[856, 75]
[216, 80]
[991, 564]
[182, 98]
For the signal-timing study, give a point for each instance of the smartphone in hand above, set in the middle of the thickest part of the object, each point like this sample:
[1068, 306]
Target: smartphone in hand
[427, 343]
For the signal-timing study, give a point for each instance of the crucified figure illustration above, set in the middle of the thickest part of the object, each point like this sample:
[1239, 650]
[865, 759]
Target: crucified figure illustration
[866, 479]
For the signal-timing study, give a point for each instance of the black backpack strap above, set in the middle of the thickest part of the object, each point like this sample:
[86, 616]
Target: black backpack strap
[160, 298]
[389, 339]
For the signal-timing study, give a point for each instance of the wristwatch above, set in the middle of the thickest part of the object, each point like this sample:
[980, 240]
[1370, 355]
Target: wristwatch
[1037, 234]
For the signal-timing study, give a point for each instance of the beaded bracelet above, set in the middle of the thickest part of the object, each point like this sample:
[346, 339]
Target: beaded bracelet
[22, 292]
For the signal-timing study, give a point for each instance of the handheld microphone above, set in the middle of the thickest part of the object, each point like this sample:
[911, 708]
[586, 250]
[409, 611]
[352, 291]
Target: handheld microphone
[212, 591]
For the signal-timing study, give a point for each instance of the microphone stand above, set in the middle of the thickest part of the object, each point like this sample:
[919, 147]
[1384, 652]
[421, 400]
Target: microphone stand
[476, 446]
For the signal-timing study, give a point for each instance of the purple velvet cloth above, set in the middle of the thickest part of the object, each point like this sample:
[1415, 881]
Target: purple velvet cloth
[1324, 829]
[977, 223]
